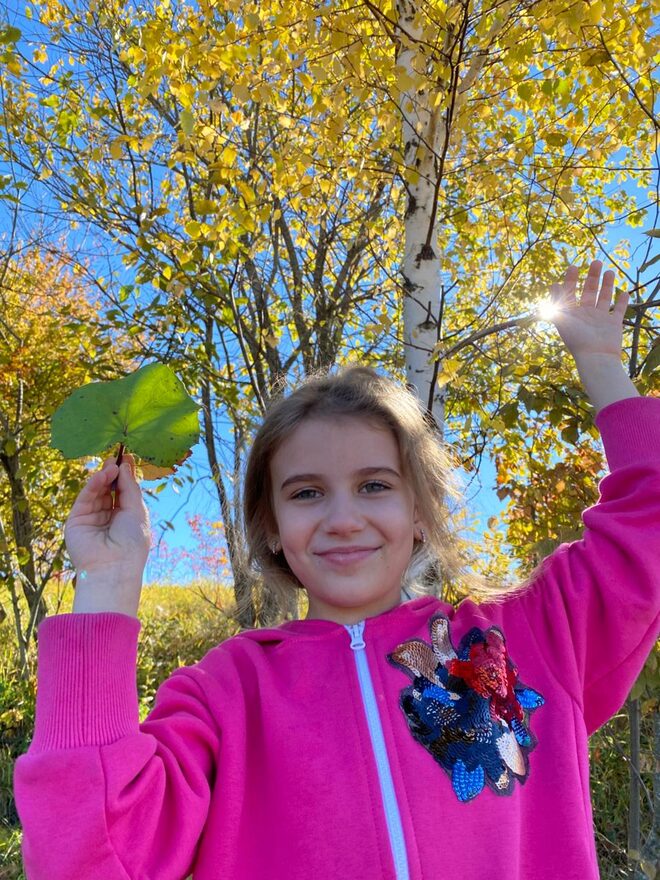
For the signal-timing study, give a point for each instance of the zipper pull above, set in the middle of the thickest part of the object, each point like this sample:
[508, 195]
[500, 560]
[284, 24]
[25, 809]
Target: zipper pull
[355, 630]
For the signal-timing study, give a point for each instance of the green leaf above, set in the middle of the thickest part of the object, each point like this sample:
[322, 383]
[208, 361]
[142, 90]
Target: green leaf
[564, 87]
[556, 139]
[187, 121]
[599, 56]
[654, 233]
[649, 263]
[652, 361]
[149, 411]
[9, 36]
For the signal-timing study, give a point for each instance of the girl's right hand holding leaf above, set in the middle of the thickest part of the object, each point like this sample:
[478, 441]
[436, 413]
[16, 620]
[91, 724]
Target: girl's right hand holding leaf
[110, 545]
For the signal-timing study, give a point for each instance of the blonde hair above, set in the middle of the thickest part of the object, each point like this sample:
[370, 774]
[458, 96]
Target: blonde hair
[427, 464]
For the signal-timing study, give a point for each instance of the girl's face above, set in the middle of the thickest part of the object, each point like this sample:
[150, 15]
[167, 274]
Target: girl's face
[346, 516]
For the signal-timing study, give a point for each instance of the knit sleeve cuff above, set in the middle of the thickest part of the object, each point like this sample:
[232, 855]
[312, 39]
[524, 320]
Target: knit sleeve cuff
[86, 680]
[629, 430]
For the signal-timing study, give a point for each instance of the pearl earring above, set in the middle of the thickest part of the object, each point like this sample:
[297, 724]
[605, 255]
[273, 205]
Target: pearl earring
[273, 547]
[422, 536]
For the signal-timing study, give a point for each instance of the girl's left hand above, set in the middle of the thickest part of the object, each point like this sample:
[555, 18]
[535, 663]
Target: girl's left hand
[589, 328]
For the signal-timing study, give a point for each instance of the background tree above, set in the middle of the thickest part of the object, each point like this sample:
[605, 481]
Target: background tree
[287, 187]
[246, 163]
[51, 342]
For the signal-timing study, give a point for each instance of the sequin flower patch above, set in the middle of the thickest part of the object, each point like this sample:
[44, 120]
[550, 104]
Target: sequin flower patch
[467, 707]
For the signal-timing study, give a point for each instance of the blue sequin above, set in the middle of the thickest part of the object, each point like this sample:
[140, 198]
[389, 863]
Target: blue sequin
[467, 783]
[468, 709]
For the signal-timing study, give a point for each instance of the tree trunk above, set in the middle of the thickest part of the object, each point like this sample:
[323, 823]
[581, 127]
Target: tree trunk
[448, 74]
[423, 132]
[634, 836]
[243, 581]
[651, 847]
[23, 531]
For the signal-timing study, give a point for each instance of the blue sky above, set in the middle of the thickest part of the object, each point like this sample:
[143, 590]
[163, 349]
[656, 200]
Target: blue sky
[174, 504]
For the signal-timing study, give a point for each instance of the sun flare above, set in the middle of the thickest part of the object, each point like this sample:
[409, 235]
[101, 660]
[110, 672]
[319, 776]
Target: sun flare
[547, 310]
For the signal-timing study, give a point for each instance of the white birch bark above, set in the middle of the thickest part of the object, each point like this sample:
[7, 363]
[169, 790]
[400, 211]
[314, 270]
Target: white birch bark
[423, 132]
[424, 135]
[424, 138]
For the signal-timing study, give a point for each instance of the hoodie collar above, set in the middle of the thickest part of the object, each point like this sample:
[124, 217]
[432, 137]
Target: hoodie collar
[318, 626]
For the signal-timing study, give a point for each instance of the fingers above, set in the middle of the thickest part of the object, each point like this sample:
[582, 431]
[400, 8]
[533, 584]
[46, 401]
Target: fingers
[606, 290]
[621, 303]
[564, 294]
[570, 279]
[96, 494]
[590, 292]
[590, 289]
[591, 285]
[128, 487]
[126, 458]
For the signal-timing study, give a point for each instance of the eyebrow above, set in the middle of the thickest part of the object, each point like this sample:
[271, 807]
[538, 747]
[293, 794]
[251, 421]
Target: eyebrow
[366, 471]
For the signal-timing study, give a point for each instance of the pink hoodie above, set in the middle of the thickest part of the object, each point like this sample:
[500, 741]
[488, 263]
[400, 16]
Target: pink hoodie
[425, 742]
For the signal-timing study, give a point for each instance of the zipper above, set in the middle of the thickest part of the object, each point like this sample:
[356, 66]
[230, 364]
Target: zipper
[392, 815]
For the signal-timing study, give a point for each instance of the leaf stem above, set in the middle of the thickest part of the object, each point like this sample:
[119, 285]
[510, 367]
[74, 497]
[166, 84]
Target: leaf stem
[120, 452]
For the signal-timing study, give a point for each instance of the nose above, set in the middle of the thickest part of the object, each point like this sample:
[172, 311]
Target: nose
[342, 514]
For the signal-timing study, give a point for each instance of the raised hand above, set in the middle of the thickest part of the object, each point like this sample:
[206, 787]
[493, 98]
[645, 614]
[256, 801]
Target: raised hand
[107, 544]
[589, 327]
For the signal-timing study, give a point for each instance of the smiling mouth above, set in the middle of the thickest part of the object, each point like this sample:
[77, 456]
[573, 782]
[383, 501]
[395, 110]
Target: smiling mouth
[348, 555]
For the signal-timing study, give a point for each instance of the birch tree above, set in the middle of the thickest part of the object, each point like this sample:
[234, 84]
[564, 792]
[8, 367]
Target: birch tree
[293, 186]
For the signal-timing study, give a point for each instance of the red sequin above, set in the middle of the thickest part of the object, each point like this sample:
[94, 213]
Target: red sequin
[492, 675]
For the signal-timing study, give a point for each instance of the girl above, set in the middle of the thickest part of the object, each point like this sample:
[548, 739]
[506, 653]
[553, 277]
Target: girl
[375, 738]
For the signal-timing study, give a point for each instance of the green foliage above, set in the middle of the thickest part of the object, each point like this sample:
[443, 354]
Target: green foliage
[180, 625]
[17, 699]
[10, 852]
[178, 628]
[608, 751]
[647, 686]
[148, 411]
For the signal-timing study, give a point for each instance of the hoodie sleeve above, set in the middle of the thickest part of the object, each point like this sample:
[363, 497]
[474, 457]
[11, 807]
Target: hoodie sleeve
[101, 796]
[593, 611]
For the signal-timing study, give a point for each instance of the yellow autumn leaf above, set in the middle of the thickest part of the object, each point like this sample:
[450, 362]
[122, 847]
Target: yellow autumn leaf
[241, 91]
[116, 148]
[205, 206]
[594, 12]
[249, 222]
[228, 156]
[246, 191]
